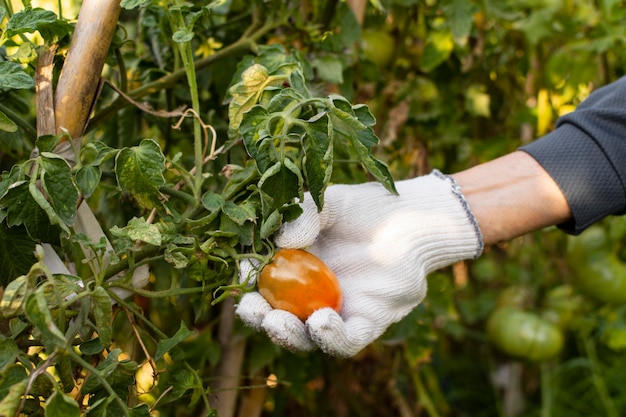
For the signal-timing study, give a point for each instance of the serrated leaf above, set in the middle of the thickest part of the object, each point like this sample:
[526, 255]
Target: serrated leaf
[318, 156]
[238, 213]
[29, 20]
[7, 124]
[166, 345]
[139, 229]
[87, 179]
[13, 77]
[139, 171]
[103, 314]
[61, 405]
[56, 179]
[362, 139]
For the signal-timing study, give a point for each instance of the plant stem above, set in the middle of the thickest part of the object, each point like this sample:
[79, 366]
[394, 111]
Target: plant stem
[186, 55]
[596, 377]
[86, 365]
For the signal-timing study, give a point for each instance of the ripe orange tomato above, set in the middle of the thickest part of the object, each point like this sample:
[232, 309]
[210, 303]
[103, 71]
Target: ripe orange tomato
[299, 282]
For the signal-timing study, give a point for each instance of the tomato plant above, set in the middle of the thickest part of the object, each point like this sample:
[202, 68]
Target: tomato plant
[299, 282]
[119, 249]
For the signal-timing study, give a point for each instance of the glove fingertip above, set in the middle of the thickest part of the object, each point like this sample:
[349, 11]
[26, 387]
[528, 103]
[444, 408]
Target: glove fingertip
[252, 309]
[337, 337]
[286, 330]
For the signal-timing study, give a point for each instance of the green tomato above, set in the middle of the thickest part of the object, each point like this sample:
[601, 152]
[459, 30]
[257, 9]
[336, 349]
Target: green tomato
[377, 46]
[603, 279]
[524, 334]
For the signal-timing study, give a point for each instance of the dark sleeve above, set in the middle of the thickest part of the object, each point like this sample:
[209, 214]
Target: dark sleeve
[586, 156]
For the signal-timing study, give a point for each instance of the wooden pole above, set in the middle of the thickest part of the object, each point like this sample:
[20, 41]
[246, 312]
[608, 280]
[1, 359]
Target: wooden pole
[78, 83]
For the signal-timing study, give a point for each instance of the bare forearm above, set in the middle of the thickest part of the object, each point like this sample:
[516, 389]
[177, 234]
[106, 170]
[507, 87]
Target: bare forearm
[511, 196]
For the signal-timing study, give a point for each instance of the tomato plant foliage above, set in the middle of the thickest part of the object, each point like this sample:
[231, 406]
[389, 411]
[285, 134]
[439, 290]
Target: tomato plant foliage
[119, 247]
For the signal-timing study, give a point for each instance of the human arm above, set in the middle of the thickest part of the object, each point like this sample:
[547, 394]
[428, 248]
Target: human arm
[511, 196]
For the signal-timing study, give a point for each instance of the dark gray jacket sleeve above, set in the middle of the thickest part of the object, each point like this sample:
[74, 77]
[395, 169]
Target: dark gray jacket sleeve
[586, 156]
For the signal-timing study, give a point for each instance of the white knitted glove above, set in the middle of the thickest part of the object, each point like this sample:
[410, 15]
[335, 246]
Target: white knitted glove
[381, 247]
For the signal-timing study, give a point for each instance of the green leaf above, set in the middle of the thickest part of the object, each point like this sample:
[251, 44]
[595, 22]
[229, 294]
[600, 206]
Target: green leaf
[103, 314]
[182, 35]
[46, 143]
[119, 374]
[139, 229]
[17, 253]
[329, 68]
[238, 213]
[7, 124]
[318, 156]
[12, 302]
[133, 4]
[280, 183]
[166, 345]
[139, 171]
[11, 402]
[8, 352]
[460, 18]
[439, 46]
[56, 179]
[29, 20]
[45, 205]
[61, 405]
[65, 370]
[87, 179]
[246, 93]
[96, 153]
[13, 77]
[23, 209]
[38, 313]
[271, 224]
[92, 347]
[351, 125]
[212, 201]
[141, 410]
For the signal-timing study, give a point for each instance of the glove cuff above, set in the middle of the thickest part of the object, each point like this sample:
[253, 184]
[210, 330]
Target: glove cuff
[451, 233]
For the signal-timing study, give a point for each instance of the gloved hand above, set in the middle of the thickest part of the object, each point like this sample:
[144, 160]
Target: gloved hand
[381, 247]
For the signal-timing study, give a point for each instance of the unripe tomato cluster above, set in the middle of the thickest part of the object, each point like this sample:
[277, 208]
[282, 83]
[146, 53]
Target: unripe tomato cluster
[299, 282]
